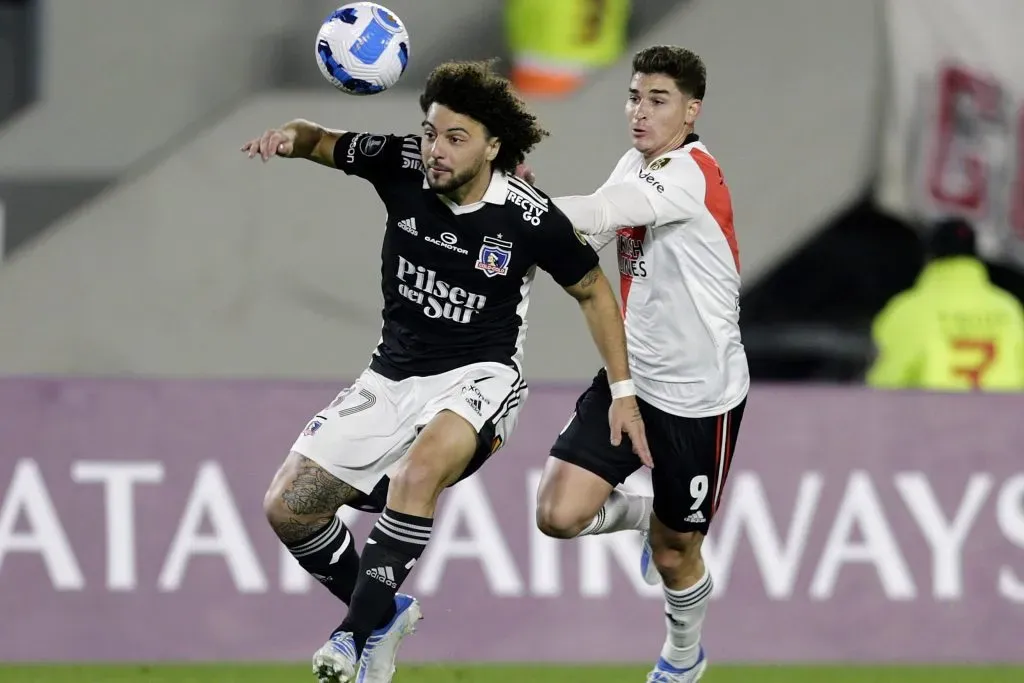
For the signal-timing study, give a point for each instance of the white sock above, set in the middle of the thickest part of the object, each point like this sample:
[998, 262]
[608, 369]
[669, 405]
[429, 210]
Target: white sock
[622, 511]
[684, 618]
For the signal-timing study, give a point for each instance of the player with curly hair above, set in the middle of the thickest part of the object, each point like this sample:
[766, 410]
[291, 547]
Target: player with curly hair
[445, 384]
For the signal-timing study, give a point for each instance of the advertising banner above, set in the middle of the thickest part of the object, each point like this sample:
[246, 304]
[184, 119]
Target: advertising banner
[855, 526]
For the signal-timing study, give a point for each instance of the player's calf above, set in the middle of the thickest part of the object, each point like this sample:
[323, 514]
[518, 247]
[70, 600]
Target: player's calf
[570, 517]
[572, 501]
[677, 555]
[301, 506]
[437, 458]
[688, 587]
[568, 498]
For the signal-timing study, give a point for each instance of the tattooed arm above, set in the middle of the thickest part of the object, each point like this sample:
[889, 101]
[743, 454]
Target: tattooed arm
[565, 254]
[597, 301]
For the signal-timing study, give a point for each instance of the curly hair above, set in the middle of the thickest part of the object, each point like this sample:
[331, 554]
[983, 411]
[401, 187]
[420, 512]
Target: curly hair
[473, 89]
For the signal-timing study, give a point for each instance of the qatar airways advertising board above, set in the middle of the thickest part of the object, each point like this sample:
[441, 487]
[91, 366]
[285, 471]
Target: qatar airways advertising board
[856, 526]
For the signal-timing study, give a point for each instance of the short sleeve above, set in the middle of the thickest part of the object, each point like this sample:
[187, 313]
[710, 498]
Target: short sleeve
[561, 251]
[675, 188]
[374, 156]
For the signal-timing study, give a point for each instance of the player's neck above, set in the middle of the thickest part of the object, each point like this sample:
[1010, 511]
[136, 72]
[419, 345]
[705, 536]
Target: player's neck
[471, 192]
[675, 142]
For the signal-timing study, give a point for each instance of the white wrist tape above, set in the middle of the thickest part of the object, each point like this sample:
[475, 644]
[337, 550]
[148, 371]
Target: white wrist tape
[623, 389]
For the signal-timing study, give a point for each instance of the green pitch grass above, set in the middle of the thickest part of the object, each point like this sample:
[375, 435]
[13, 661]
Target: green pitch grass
[254, 673]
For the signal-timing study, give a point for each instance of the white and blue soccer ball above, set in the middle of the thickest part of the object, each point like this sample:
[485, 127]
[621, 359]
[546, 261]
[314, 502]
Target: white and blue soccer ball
[362, 48]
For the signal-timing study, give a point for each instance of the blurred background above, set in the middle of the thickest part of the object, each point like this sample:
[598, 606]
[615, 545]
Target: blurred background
[165, 304]
[136, 241]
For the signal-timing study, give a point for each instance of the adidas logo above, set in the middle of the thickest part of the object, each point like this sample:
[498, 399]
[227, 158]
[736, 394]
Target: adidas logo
[409, 225]
[475, 404]
[385, 575]
[696, 518]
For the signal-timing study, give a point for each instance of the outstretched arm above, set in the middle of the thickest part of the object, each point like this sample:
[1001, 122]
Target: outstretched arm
[608, 209]
[668, 192]
[600, 214]
[298, 139]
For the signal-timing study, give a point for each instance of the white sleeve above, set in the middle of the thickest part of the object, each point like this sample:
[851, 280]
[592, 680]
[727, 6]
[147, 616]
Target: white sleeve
[672, 194]
[675, 190]
[599, 242]
[610, 208]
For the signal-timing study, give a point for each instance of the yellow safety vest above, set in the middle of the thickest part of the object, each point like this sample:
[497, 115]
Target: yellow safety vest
[554, 43]
[952, 331]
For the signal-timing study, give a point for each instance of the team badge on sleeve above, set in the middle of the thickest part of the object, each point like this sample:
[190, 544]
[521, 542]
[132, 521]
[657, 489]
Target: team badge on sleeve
[371, 145]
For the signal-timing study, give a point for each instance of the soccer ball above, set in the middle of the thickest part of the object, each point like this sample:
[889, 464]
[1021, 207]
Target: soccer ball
[362, 48]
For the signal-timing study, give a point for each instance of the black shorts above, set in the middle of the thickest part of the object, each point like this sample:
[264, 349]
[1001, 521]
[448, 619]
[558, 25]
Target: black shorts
[691, 455]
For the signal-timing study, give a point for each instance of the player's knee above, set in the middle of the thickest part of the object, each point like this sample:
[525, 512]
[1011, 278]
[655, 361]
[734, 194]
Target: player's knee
[435, 461]
[558, 520]
[273, 500]
[418, 479]
[676, 552]
[301, 496]
[274, 507]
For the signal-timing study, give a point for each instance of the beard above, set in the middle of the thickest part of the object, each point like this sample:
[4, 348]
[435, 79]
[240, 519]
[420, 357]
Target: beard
[454, 179]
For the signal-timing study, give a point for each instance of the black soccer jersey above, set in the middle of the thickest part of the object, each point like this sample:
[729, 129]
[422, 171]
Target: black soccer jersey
[456, 279]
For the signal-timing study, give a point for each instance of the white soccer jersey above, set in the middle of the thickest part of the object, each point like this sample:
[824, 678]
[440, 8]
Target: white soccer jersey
[680, 283]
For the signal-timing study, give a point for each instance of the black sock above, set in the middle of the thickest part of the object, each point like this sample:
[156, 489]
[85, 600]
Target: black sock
[330, 556]
[392, 549]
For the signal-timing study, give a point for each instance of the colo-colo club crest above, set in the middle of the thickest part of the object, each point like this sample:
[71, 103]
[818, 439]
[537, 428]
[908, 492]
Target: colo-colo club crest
[494, 257]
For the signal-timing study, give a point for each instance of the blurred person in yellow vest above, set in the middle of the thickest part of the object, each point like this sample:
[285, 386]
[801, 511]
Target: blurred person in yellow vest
[953, 330]
[556, 43]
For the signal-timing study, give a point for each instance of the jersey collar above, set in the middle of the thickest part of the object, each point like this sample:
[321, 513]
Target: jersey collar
[497, 192]
[690, 139]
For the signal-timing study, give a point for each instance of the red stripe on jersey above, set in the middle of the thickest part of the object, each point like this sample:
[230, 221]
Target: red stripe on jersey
[717, 199]
[630, 246]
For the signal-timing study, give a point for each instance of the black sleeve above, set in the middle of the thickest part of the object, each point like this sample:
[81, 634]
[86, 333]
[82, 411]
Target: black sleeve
[560, 250]
[375, 157]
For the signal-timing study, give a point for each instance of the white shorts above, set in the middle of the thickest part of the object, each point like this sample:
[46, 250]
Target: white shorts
[363, 434]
